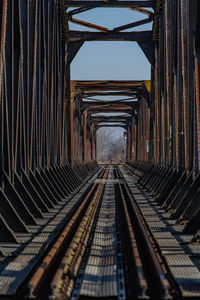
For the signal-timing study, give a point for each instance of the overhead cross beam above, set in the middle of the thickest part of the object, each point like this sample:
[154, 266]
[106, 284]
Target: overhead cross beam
[137, 36]
[123, 125]
[121, 100]
[111, 122]
[112, 88]
[83, 9]
[109, 103]
[96, 107]
[110, 108]
[109, 84]
[112, 3]
[123, 93]
[111, 118]
[97, 111]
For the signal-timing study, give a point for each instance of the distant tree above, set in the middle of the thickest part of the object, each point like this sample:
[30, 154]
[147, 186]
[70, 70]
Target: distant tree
[103, 142]
[110, 145]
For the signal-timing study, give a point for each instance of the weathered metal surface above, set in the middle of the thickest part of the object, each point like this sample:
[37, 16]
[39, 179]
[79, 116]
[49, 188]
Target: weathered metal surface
[184, 270]
[110, 36]
[109, 3]
[48, 122]
[28, 254]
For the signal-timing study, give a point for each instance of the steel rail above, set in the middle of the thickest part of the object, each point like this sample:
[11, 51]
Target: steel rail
[63, 281]
[42, 270]
[156, 259]
[143, 285]
[70, 248]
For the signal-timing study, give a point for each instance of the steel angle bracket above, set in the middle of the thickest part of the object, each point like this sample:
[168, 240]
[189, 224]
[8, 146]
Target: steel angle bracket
[72, 50]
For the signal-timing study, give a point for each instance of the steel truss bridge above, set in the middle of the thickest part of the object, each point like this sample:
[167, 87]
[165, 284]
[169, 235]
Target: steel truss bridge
[71, 228]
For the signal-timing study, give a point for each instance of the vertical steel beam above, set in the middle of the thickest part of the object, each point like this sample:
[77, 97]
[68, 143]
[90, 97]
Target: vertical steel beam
[92, 141]
[184, 50]
[197, 90]
[85, 136]
[2, 55]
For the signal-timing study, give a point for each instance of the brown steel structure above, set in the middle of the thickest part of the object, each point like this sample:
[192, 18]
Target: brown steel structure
[48, 122]
[40, 120]
[94, 113]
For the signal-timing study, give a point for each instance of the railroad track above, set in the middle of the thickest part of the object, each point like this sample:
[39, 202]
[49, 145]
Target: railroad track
[105, 250]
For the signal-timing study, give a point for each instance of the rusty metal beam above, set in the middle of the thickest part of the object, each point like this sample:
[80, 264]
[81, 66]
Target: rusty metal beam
[110, 125]
[109, 119]
[142, 36]
[78, 11]
[108, 83]
[102, 103]
[84, 136]
[100, 100]
[123, 93]
[89, 25]
[109, 105]
[141, 10]
[134, 24]
[109, 3]
[92, 112]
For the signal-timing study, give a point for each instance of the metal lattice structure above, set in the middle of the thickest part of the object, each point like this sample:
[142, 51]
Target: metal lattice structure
[68, 226]
[32, 87]
[35, 116]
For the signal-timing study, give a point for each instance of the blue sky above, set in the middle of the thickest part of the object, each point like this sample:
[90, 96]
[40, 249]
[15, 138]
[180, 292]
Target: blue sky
[110, 60]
